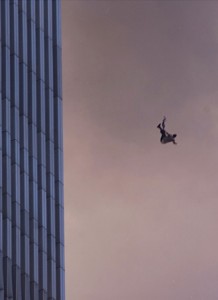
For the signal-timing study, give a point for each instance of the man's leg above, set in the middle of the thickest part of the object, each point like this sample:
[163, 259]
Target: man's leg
[163, 122]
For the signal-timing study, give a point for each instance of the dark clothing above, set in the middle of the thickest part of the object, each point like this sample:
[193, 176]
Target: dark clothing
[165, 136]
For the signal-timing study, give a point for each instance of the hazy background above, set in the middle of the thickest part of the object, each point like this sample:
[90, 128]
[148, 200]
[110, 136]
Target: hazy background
[140, 217]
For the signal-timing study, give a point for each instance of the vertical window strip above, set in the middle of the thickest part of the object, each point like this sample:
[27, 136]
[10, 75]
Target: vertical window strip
[15, 144]
[50, 178]
[41, 136]
[6, 151]
[33, 161]
[1, 217]
[58, 141]
[24, 153]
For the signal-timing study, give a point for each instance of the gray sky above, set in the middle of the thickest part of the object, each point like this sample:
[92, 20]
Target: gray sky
[140, 217]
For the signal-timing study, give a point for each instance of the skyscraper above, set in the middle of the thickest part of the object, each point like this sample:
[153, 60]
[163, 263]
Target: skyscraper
[31, 151]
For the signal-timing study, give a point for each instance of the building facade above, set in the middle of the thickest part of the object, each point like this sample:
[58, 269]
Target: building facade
[31, 151]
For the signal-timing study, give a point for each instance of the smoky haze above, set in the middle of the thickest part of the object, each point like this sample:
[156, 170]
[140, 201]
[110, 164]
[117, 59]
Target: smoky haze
[140, 217]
